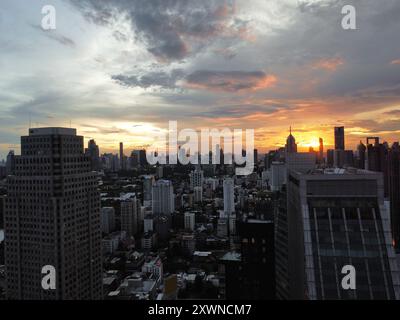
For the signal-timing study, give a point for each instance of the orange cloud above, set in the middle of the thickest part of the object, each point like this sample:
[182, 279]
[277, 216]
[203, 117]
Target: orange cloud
[330, 64]
[397, 61]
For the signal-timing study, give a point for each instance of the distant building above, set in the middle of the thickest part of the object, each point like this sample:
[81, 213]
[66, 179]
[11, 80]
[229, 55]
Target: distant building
[107, 219]
[190, 219]
[339, 138]
[163, 199]
[130, 209]
[148, 182]
[10, 163]
[93, 153]
[229, 196]
[291, 146]
[196, 178]
[278, 175]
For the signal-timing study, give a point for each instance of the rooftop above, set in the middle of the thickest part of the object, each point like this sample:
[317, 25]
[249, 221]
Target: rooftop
[52, 131]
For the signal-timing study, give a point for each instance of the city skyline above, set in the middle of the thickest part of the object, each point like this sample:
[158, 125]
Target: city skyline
[118, 77]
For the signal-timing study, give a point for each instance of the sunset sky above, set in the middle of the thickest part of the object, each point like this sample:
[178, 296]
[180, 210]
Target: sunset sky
[119, 70]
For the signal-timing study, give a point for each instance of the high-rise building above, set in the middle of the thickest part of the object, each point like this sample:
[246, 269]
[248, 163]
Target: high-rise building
[129, 215]
[339, 138]
[291, 146]
[163, 199]
[339, 218]
[10, 163]
[107, 219]
[148, 182]
[277, 175]
[229, 196]
[361, 149]
[330, 158]
[377, 158]
[198, 194]
[122, 158]
[52, 217]
[258, 259]
[94, 154]
[393, 164]
[321, 151]
[190, 220]
[196, 178]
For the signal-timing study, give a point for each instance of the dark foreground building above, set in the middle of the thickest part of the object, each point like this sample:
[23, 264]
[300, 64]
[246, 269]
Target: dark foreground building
[338, 218]
[52, 218]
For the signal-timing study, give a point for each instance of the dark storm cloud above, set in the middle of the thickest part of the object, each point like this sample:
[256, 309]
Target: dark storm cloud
[170, 29]
[161, 79]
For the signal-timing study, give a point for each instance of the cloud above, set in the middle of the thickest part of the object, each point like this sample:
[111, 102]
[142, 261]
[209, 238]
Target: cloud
[397, 61]
[230, 81]
[54, 35]
[165, 80]
[170, 29]
[329, 64]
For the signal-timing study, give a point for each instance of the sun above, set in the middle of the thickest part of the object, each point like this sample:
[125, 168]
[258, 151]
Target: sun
[313, 142]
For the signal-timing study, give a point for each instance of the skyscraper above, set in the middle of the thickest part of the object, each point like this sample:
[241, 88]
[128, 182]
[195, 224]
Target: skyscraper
[361, 148]
[321, 151]
[291, 146]
[148, 182]
[190, 220]
[163, 197]
[94, 153]
[129, 216]
[52, 218]
[196, 178]
[339, 138]
[122, 160]
[394, 192]
[107, 219]
[229, 196]
[339, 218]
[257, 259]
[10, 163]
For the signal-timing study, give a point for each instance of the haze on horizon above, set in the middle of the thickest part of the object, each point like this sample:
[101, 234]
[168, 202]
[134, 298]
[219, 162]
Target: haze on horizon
[119, 70]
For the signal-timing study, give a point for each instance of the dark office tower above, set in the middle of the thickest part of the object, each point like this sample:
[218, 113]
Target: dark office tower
[394, 192]
[257, 254]
[231, 279]
[2, 200]
[330, 157]
[52, 218]
[255, 157]
[338, 218]
[291, 146]
[122, 165]
[348, 158]
[281, 246]
[361, 155]
[377, 154]
[10, 163]
[93, 152]
[321, 151]
[339, 138]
